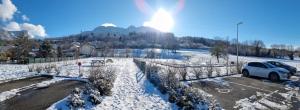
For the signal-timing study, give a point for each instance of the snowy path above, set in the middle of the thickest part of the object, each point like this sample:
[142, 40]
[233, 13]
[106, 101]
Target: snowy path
[128, 94]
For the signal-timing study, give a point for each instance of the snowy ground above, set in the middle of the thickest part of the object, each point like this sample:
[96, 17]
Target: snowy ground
[131, 91]
[8, 72]
[202, 56]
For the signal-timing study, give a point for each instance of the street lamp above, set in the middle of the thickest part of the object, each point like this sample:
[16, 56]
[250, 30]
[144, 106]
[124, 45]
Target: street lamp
[237, 44]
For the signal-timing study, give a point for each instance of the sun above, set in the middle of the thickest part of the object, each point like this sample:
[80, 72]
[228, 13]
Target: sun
[161, 20]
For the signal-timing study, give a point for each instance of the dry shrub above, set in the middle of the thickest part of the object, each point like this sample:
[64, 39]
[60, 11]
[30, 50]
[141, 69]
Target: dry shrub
[209, 69]
[68, 73]
[237, 69]
[31, 68]
[218, 71]
[103, 78]
[53, 65]
[57, 70]
[240, 66]
[171, 80]
[198, 72]
[152, 74]
[48, 69]
[39, 69]
[182, 72]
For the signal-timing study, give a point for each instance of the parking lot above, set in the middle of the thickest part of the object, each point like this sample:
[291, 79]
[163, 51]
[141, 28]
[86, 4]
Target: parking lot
[254, 93]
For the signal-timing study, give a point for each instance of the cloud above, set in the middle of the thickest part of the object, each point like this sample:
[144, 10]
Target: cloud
[7, 10]
[33, 30]
[25, 18]
[12, 26]
[108, 25]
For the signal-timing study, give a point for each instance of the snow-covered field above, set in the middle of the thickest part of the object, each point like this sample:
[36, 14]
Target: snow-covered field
[9, 72]
[202, 56]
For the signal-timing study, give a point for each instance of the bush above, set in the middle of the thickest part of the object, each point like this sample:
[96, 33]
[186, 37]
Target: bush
[218, 71]
[31, 68]
[75, 100]
[240, 66]
[103, 78]
[184, 103]
[48, 69]
[57, 70]
[237, 69]
[38, 69]
[163, 88]
[53, 65]
[209, 70]
[198, 72]
[172, 82]
[152, 74]
[95, 97]
[182, 72]
[173, 96]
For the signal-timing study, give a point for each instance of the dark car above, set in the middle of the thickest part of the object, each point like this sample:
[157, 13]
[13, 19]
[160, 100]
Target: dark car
[292, 69]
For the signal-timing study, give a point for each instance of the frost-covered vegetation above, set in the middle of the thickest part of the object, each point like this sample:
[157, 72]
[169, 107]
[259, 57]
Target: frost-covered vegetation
[102, 78]
[167, 80]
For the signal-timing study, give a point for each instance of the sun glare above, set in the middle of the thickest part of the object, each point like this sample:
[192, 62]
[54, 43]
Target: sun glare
[161, 20]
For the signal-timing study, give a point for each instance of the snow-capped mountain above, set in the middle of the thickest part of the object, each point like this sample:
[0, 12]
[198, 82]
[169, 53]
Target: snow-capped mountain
[103, 30]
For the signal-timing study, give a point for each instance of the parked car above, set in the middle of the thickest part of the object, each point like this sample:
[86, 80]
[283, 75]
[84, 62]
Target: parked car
[292, 69]
[265, 70]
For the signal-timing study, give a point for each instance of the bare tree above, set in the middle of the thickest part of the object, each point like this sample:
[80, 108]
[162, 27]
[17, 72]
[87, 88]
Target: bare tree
[298, 50]
[219, 51]
[258, 45]
[22, 45]
[275, 50]
[291, 51]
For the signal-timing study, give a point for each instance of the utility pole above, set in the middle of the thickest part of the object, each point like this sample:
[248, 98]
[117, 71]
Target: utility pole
[237, 44]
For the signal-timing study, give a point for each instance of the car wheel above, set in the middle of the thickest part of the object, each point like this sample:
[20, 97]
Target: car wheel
[245, 73]
[274, 77]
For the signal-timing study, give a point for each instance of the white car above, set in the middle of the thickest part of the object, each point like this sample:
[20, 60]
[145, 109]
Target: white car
[265, 70]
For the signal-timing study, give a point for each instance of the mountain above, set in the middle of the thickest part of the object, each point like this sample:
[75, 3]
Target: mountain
[104, 30]
[5, 35]
[10, 35]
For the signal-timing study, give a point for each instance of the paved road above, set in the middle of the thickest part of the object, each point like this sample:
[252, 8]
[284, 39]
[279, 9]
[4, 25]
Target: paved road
[21, 83]
[40, 99]
[236, 88]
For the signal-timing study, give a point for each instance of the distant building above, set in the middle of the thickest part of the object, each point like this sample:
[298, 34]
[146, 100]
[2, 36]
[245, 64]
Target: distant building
[87, 49]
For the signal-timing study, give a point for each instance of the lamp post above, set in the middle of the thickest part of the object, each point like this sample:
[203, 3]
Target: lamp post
[237, 44]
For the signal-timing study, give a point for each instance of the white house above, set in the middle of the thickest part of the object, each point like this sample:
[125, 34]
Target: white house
[87, 49]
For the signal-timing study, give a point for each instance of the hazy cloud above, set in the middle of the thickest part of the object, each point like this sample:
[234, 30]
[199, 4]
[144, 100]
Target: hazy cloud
[25, 18]
[7, 10]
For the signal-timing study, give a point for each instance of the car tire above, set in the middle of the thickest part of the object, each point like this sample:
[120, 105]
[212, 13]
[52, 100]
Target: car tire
[274, 77]
[245, 73]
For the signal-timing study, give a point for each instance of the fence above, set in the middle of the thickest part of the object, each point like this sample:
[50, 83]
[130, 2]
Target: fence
[208, 70]
[49, 59]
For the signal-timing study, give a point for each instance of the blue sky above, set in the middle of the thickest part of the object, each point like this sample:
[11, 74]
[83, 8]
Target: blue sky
[273, 21]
